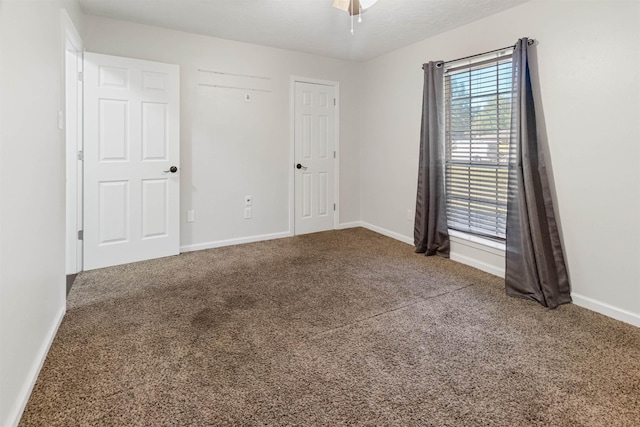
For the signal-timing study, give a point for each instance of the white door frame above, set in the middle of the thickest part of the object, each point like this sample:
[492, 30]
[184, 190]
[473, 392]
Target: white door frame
[73, 145]
[291, 163]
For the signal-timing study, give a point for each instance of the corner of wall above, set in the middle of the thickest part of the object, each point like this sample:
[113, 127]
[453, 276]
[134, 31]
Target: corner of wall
[72, 7]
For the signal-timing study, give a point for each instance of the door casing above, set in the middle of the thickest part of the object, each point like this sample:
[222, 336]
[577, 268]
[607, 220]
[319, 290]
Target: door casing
[73, 144]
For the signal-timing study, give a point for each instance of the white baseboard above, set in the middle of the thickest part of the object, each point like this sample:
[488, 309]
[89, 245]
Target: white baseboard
[480, 265]
[582, 301]
[237, 241]
[251, 239]
[388, 233]
[353, 224]
[606, 309]
[27, 388]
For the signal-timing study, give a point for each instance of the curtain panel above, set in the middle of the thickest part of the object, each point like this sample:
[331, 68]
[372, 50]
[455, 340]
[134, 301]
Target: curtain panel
[535, 267]
[431, 234]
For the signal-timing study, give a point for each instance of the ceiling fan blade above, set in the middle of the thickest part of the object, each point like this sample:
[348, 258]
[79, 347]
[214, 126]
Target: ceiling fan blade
[342, 4]
[352, 7]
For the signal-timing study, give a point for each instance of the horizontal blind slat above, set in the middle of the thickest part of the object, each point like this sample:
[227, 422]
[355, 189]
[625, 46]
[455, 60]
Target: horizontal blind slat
[478, 130]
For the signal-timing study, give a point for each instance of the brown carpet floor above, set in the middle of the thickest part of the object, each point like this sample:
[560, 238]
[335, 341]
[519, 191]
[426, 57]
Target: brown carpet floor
[338, 328]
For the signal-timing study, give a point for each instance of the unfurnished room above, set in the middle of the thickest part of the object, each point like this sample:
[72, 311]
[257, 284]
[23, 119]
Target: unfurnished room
[319, 212]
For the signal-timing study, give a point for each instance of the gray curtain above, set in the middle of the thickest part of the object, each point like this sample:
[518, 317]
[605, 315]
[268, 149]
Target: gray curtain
[535, 267]
[431, 235]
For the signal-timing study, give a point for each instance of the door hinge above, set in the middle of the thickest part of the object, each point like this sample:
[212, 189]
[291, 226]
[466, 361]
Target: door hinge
[334, 154]
[80, 155]
[80, 234]
[334, 206]
[334, 102]
[80, 76]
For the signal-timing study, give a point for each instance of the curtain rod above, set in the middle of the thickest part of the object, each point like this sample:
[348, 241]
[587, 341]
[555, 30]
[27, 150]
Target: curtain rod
[530, 42]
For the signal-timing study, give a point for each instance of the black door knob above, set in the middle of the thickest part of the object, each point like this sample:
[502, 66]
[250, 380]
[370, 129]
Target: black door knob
[299, 166]
[172, 169]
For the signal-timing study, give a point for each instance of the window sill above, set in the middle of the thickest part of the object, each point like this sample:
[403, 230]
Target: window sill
[480, 243]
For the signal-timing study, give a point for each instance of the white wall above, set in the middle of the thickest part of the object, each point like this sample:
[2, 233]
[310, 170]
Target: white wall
[32, 224]
[230, 148]
[588, 59]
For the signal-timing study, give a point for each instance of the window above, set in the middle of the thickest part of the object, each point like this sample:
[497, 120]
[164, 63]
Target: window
[477, 132]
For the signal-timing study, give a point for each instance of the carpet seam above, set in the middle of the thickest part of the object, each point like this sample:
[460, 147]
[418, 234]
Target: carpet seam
[418, 301]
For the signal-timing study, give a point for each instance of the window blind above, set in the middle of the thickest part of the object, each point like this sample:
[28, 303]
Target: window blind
[478, 102]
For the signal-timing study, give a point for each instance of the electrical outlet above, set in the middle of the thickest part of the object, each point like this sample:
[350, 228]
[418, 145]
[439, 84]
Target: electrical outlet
[247, 213]
[191, 216]
[409, 214]
[248, 200]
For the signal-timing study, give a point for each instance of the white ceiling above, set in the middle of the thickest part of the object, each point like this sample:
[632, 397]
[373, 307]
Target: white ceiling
[311, 26]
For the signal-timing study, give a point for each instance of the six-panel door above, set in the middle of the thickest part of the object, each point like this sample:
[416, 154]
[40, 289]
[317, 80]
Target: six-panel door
[132, 139]
[314, 145]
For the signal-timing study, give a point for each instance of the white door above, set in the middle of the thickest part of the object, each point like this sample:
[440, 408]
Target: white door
[314, 145]
[131, 160]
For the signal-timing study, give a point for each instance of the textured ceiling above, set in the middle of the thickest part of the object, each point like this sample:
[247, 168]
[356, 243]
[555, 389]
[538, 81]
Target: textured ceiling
[311, 26]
